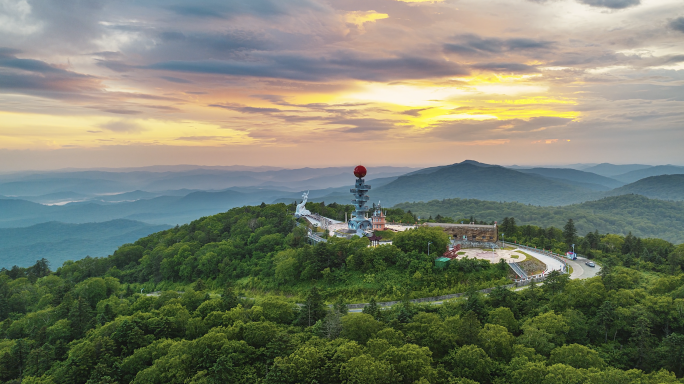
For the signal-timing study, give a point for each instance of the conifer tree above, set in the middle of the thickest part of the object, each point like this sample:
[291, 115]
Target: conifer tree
[569, 233]
[228, 299]
[372, 309]
[313, 309]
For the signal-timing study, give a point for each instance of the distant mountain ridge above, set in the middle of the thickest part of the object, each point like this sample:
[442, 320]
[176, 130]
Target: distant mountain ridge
[658, 170]
[588, 179]
[611, 170]
[663, 187]
[107, 182]
[59, 242]
[471, 179]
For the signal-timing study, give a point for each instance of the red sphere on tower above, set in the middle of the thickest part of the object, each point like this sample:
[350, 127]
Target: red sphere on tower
[360, 171]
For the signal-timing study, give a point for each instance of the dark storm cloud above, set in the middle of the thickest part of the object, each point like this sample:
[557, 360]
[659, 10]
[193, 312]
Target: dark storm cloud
[321, 69]
[506, 67]
[476, 45]
[677, 24]
[612, 4]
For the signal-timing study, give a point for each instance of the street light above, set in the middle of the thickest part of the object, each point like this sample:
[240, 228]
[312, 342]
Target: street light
[429, 242]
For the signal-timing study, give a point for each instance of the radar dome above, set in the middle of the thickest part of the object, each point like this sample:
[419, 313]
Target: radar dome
[360, 171]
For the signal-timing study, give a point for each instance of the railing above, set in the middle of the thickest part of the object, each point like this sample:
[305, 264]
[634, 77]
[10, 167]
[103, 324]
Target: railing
[556, 256]
[543, 252]
[518, 271]
[311, 235]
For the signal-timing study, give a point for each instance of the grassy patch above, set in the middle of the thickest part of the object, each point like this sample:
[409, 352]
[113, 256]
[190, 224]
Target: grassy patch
[515, 256]
[386, 235]
[532, 266]
[461, 253]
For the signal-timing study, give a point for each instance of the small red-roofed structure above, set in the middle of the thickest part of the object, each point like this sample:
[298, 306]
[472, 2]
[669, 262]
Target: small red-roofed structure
[453, 252]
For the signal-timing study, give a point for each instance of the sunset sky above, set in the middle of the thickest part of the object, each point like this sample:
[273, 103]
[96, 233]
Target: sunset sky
[105, 83]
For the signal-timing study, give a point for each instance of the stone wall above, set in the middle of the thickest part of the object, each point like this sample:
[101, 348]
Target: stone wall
[473, 232]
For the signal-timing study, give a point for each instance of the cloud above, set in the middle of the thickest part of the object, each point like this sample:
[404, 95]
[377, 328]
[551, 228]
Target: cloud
[415, 112]
[121, 111]
[677, 24]
[8, 52]
[470, 44]
[71, 23]
[115, 65]
[340, 66]
[366, 125]
[227, 9]
[122, 126]
[36, 77]
[421, 1]
[638, 91]
[469, 130]
[612, 4]
[201, 138]
[506, 67]
[175, 80]
[246, 109]
[359, 18]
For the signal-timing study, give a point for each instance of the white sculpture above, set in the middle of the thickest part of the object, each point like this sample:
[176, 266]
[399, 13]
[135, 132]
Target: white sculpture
[301, 208]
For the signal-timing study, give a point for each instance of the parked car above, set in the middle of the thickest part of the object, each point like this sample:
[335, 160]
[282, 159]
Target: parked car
[590, 263]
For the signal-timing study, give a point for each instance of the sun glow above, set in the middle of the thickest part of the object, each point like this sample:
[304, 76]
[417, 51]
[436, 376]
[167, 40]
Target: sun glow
[30, 131]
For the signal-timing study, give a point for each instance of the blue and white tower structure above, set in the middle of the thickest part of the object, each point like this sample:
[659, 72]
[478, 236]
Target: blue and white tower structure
[359, 222]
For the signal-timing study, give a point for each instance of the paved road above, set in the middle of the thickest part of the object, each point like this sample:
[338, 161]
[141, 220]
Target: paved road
[579, 270]
[551, 263]
[582, 271]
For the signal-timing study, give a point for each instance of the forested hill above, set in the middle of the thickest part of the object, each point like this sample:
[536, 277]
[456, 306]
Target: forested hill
[480, 181]
[88, 322]
[619, 214]
[665, 187]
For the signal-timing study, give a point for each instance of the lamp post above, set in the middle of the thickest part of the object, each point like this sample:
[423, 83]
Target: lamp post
[503, 241]
[429, 242]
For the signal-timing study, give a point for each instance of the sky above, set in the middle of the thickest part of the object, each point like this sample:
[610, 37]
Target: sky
[292, 83]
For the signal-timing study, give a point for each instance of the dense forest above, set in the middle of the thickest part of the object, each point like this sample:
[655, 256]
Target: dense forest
[621, 215]
[225, 311]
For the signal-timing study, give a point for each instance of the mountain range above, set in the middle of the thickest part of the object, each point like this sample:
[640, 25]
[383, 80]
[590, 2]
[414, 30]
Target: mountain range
[168, 195]
[59, 242]
[623, 214]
